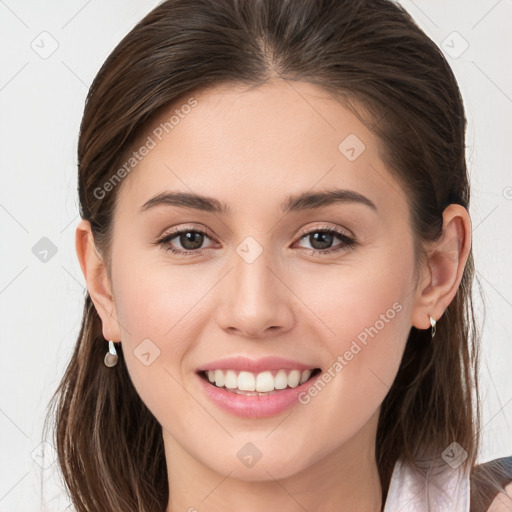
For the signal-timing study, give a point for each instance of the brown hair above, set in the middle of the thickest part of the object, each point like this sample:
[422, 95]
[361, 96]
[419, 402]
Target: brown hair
[367, 53]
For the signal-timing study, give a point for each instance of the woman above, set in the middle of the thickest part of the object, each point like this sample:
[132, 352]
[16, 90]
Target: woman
[277, 248]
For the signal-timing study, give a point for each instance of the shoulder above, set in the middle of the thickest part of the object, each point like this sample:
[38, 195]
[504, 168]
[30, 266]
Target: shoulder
[503, 501]
[491, 486]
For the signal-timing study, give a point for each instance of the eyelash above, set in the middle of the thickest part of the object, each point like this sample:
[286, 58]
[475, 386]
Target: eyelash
[347, 242]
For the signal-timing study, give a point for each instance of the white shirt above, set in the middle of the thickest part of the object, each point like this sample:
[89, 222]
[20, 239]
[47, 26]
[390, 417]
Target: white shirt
[428, 487]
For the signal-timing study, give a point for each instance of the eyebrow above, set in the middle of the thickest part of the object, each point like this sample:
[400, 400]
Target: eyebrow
[313, 200]
[304, 201]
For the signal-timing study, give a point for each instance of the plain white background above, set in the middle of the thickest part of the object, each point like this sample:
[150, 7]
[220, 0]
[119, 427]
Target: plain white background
[41, 103]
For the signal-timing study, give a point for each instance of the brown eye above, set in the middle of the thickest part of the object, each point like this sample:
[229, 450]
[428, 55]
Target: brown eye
[321, 241]
[191, 240]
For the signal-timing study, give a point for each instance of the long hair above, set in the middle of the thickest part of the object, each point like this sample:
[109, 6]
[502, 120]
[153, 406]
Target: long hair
[371, 56]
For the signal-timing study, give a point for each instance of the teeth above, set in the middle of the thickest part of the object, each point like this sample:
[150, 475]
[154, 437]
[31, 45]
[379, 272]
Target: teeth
[219, 378]
[304, 376]
[231, 380]
[264, 382]
[281, 380]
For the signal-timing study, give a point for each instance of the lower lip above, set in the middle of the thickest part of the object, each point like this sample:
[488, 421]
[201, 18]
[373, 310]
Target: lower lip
[255, 406]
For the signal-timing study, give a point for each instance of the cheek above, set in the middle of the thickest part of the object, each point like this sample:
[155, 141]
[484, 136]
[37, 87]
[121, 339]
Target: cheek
[369, 311]
[373, 315]
[361, 301]
[155, 299]
[158, 308]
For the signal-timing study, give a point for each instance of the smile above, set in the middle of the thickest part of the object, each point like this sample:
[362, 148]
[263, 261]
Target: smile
[251, 403]
[266, 382]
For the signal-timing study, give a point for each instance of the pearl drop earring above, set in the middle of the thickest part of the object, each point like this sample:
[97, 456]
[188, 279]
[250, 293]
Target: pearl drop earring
[111, 356]
[433, 325]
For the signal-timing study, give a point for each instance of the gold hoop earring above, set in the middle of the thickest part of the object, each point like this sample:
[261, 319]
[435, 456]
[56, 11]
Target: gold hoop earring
[433, 326]
[111, 356]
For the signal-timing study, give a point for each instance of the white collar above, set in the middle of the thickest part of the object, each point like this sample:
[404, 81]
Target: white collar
[428, 486]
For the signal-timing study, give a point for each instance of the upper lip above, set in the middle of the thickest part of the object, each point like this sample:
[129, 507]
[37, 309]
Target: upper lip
[255, 365]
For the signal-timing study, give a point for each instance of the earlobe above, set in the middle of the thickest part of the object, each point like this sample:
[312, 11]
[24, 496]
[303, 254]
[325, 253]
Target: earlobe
[96, 277]
[443, 268]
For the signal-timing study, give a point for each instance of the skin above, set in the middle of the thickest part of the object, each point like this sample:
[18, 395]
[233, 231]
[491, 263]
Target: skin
[503, 501]
[251, 149]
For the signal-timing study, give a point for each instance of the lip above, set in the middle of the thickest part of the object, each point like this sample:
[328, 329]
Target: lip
[255, 406]
[255, 365]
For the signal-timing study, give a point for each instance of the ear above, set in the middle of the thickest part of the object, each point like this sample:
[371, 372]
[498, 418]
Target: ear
[441, 274]
[96, 277]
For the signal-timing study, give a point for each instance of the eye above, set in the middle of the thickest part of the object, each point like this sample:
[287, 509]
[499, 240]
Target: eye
[322, 239]
[190, 239]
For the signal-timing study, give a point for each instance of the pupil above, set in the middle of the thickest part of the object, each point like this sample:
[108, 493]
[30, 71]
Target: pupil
[321, 238]
[191, 240]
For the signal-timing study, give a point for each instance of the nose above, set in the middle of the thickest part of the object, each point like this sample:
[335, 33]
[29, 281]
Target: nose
[255, 302]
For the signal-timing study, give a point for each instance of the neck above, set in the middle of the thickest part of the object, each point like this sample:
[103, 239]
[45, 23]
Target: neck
[345, 480]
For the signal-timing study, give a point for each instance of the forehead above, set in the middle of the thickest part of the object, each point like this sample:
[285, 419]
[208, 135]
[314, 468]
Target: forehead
[250, 146]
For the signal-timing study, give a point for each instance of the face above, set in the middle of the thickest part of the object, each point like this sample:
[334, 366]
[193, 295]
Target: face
[324, 284]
